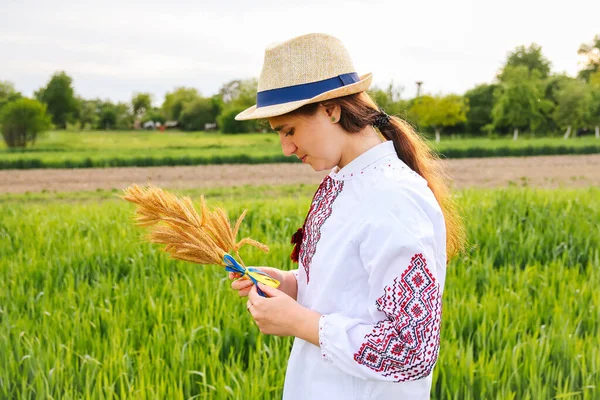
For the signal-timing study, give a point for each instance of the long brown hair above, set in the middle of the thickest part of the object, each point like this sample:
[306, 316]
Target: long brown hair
[359, 111]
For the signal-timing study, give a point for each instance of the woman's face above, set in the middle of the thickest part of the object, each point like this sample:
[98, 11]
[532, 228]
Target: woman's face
[317, 140]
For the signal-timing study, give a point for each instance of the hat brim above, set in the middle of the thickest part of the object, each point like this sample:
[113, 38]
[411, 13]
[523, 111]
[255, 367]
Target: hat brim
[279, 109]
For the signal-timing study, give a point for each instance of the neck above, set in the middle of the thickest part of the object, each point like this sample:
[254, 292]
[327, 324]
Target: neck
[358, 143]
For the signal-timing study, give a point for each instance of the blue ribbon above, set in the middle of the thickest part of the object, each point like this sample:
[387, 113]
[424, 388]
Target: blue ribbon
[231, 265]
[303, 91]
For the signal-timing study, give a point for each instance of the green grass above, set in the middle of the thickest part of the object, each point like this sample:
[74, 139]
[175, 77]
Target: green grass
[90, 310]
[135, 140]
[113, 149]
[506, 147]
[61, 149]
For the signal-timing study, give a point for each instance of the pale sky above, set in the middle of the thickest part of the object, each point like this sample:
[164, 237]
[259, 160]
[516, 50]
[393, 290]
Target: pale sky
[113, 48]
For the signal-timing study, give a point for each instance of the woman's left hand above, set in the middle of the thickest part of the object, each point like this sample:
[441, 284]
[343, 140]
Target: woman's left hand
[281, 315]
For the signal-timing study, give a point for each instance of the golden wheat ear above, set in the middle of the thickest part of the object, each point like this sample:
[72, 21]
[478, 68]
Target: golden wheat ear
[236, 229]
[251, 242]
[202, 238]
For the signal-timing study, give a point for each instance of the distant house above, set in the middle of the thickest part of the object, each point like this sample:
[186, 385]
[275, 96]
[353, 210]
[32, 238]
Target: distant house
[149, 125]
[210, 127]
[171, 124]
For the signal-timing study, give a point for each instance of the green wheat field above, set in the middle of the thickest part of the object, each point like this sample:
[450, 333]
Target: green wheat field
[89, 310]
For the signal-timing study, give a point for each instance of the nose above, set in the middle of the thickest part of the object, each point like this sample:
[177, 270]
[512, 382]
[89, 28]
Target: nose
[287, 145]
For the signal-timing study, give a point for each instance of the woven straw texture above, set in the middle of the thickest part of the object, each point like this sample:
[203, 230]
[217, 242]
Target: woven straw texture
[304, 59]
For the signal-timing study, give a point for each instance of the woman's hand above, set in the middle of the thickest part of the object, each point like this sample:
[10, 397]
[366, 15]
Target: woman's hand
[281, 315]
[287, 280]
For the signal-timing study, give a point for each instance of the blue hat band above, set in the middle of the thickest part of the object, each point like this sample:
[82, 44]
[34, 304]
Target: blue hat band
[303, 91]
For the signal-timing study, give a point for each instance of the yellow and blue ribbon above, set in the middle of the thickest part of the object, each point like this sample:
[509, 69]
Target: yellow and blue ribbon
[254, 274]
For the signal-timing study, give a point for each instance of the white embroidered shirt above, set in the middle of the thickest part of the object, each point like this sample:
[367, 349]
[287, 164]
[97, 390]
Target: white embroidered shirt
[373, 262]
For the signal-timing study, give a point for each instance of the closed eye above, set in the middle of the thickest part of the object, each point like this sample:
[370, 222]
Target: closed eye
[289, 133]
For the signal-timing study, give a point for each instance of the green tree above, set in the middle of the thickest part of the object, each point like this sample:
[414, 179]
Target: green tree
[595, 110]
[591, 52]
[234, 97]
[217, 105]
[239, 92]
[518, 100]
[141, 103]
[154, 114]
[176, 100]
[574, 107]
[551, 87]
[124, 116]
[420, 110]
[196, 114]
[439, 112]
[595, 114]
[533, 118]
[595, 79]
[115, 116]
[530, 57]
[7, 93]
[388, 99]
[481, 101]
[88, 112]
[228, 124]
[59, 96]
[22, 120]
[107, 116]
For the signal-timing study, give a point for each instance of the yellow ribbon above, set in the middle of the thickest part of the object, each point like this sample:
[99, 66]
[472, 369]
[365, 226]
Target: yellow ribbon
[254, 274]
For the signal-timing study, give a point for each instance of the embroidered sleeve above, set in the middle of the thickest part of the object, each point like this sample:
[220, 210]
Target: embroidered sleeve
[402, 342]
[405, 344]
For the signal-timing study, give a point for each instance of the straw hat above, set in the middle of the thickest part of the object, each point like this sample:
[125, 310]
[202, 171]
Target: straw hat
[305, 69]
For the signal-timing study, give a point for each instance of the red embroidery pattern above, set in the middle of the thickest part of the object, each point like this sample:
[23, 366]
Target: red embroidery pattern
[405, 346]
[320, 210]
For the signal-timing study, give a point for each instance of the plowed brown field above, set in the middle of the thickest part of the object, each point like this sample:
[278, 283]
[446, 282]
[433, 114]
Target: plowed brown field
[542, 171]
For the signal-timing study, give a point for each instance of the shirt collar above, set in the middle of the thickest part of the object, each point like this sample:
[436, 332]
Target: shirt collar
[361, 162]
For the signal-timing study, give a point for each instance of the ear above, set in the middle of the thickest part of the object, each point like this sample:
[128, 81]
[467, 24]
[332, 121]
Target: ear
[333, 111]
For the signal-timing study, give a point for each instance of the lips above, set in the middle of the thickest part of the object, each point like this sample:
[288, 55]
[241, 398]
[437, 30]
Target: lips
[303, 159]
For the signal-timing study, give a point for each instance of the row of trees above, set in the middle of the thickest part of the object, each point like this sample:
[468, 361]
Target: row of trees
[525, 95]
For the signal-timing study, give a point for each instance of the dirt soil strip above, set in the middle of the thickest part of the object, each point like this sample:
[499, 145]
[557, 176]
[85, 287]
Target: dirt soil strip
[541, 171]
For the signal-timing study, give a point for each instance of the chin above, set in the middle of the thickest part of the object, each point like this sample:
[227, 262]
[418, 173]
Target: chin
[320, 167]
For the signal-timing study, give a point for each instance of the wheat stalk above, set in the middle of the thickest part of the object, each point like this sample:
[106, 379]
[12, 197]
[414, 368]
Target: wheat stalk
[202, 238]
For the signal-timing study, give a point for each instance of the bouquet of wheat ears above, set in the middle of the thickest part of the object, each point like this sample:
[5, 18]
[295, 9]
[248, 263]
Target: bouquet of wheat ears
[201, 238]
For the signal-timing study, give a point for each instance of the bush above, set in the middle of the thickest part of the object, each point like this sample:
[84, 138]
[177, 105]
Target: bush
[228, 124]
[22, 120]
[196, 114]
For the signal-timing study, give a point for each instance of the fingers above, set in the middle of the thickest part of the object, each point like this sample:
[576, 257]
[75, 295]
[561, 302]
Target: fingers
[269, 291]
[245, 286]
[241, 284]
[253, 295]
[234, 275]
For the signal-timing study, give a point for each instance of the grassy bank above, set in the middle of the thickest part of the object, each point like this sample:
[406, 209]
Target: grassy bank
[125, 149]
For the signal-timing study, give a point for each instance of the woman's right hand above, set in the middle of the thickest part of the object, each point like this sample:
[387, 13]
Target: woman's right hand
[286, 279]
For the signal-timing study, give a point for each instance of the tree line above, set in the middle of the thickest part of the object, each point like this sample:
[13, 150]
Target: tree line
[524, 96]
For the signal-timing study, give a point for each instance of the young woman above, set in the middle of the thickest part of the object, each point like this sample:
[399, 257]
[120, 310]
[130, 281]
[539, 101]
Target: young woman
[365, 303]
